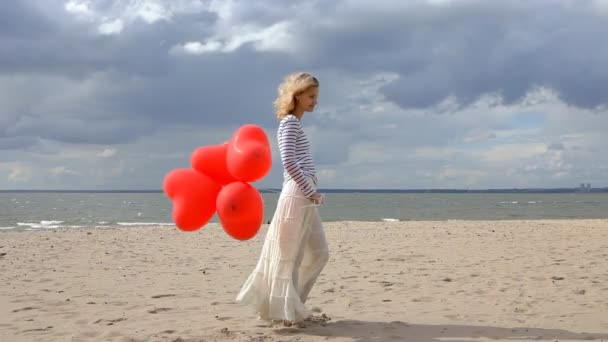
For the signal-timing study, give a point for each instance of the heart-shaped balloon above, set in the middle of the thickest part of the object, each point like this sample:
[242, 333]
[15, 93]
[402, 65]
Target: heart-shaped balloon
[248, 156]
[241, 209]
[211, 161]
[194, 197]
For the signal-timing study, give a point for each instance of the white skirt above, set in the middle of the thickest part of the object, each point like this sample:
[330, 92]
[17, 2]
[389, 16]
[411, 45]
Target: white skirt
[294, 254]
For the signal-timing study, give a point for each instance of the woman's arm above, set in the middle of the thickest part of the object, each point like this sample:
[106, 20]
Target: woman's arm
[287, 148]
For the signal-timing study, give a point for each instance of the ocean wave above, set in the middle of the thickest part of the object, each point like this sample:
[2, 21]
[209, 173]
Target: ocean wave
[50, 222]
[40, 225]
[389, 219]
[7, 228]
[44, 224]
[144, 224]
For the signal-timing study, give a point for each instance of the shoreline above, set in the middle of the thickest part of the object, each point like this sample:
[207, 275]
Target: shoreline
[416, 280]
[150, 225]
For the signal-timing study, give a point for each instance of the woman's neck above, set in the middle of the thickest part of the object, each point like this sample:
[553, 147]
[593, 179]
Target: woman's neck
[298, 112]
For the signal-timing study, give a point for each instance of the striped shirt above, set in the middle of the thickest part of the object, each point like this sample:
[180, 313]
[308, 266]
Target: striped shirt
[295, 155]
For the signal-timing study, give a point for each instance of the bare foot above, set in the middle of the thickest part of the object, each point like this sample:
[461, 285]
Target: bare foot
[295, 324]
[323, 318]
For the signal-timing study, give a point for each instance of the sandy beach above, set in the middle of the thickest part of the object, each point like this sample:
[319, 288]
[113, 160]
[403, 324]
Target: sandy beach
[385, 281]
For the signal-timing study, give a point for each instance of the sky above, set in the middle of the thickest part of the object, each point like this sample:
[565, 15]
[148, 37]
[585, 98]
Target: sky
[414, 94]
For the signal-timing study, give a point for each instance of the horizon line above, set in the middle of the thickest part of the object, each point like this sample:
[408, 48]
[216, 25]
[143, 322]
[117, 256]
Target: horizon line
[576, 189]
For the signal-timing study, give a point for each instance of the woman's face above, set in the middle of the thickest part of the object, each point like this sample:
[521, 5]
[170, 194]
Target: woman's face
[307, 100]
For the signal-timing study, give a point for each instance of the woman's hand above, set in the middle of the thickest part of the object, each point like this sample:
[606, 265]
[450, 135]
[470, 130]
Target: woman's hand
[317, 198]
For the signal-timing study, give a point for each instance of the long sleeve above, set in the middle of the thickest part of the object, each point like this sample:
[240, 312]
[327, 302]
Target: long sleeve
[287, 146]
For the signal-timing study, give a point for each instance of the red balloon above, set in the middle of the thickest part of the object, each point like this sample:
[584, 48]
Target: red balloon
[248, 156]
[240, 209]
[211, 161]
[193, 195]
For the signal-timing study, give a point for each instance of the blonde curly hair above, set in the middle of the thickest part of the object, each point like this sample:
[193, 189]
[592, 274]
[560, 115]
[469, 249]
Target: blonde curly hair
[294, 84]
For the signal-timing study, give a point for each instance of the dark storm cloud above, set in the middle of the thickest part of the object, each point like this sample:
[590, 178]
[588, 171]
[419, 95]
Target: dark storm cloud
[462, 48]
[20, 20]
[466, 49]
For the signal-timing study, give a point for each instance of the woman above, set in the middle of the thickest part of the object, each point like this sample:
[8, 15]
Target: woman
[295, 250]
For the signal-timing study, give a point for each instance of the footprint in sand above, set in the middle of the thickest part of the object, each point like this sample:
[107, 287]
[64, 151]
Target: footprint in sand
[26, 309]
[39, 329]
[157, 310]
[109, 321]
[350, 277]
[386, 283]
[163, 296]
[423, 299]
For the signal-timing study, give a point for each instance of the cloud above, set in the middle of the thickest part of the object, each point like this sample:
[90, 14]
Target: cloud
[17, 172]
[111, 27]
[466, 49]
[61, 171]
[558, 146]
[80, 8]
[461, 93]
[107, 153]
[273, 38]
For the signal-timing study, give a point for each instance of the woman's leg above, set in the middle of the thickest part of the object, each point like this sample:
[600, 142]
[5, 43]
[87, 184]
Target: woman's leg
[315, 255]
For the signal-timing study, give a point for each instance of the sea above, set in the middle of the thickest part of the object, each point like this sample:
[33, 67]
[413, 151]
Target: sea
[63, 210]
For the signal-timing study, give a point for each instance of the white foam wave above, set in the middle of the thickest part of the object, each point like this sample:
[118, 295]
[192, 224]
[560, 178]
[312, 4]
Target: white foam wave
[388, 219]
[6, 228]
[143, 224]
[50, 222]
[44, 224]
[38, 225]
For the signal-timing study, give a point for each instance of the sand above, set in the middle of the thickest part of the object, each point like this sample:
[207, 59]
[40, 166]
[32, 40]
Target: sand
[385, 281]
